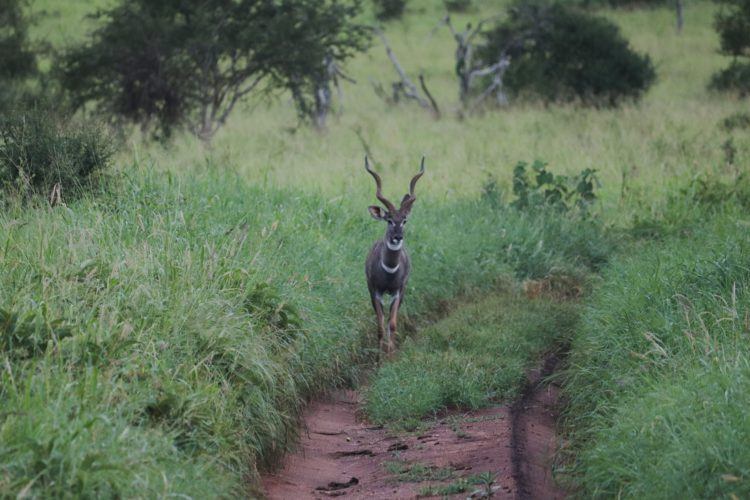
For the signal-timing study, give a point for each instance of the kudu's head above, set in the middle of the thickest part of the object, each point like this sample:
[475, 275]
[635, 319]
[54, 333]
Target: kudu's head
[394, 217]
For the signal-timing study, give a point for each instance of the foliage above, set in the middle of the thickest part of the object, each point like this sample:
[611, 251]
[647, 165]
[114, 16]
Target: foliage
[457, 5]
[188, 63]
[389, 9]
[560, 53]
[732, 22]
[713, 192]
[623, 3]
[734, 121]
[41, 152]
[542, 188]
[17, 58]
[658, 374]
[27, 335]
[204, 311]
[735, 78]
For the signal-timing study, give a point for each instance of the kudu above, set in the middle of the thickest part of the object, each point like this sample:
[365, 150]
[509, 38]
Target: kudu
[388, 265]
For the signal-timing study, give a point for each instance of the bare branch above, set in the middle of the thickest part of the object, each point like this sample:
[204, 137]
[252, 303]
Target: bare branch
[498, 69]
[433, 103]
[408, 87]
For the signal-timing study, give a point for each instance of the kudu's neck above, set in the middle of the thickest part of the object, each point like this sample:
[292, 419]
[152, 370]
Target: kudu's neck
[390, 255]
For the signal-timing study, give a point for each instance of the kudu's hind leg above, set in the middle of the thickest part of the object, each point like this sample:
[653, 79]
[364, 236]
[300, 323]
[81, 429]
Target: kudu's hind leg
[395, 304]
[378, 306]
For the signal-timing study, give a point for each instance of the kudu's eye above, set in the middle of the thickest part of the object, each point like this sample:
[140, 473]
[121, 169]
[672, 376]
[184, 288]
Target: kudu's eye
[390, 221]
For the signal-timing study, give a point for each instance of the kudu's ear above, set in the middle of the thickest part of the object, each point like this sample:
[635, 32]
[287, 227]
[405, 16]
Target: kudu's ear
[376, 212]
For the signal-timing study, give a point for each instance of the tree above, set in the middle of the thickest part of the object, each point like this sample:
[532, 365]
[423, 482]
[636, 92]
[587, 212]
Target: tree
[732, 22]
[558, 52]
[176, 63]
[389, 9]
[17, 58]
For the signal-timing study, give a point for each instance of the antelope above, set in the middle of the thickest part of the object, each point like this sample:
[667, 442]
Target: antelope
[388, 265]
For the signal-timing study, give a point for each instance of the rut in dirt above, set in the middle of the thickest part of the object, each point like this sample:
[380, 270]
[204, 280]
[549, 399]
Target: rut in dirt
[501, 452]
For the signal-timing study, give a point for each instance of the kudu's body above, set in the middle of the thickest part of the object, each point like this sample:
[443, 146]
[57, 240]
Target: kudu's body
[388, 265]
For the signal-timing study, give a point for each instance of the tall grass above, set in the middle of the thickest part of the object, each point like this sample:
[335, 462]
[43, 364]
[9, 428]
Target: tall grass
[180, 322]
[659, 372]
[477, 356]
[161, 339]
[639, 150]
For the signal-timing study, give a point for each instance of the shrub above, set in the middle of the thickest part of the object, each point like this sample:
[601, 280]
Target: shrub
[187, 64]
[389, 9]
[545, 189]
[732, 22]
[26, 335]
[40, 153]
[17, 59]
[457, 5]
[560, 53]
[623, 3]
[735, 78]
[734, 121]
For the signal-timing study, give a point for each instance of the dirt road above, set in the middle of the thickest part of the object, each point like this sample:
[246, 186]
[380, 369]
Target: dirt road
[502, 452]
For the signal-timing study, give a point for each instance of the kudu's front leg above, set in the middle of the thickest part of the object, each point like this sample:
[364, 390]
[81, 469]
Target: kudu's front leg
[395, 304]
[378, 306]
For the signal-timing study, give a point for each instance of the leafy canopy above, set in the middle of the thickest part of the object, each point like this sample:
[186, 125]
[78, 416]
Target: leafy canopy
[177, 63]
[732, 22]
[558, 52]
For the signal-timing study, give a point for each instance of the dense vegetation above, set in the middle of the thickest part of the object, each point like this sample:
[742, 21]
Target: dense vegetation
[476, 357]
[43, 154]
[560, 53]
[188, 63]
[660, 370]
[17, 57]
[733, 24]
[160, 337]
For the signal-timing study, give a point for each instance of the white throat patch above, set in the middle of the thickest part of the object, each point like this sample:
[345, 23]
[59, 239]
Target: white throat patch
[394, 247]
[389, 270]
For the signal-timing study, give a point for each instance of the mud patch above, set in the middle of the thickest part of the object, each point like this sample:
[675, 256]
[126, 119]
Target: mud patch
[533, 437]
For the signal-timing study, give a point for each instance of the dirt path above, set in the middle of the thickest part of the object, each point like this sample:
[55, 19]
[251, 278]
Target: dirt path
[504, 451]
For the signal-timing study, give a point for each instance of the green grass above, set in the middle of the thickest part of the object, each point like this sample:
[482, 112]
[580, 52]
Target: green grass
[166, 335]
[181, 321]
[659, 376]
[474, 482]
[417, 472]
[641, 151]
[477, 356]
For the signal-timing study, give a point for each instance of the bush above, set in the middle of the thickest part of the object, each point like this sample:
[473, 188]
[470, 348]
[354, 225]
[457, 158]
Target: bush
[457, 5]
[735, 78]
[734, 121]
[17, 59]
[732, 22]
[544, 189]
[559, 53]
[389, 9]
[623, 3]
[188, 63]
[40, 153]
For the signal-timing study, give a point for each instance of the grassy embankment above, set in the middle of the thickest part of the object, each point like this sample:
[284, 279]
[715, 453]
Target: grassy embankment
[477, 356]
[212, 291]
[195, 317]
[659, 378]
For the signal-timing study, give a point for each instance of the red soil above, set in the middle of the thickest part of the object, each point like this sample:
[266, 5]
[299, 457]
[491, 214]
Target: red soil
[341, 455]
